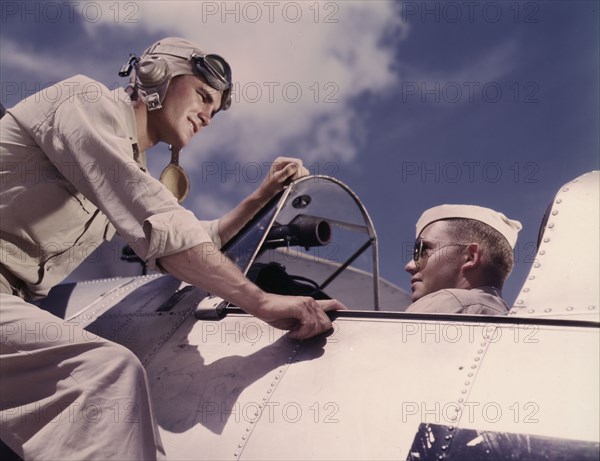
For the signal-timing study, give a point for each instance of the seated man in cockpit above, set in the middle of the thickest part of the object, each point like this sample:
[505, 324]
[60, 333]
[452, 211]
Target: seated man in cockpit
[461, 257]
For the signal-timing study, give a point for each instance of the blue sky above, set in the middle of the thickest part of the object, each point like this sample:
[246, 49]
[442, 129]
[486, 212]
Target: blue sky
[412, 104]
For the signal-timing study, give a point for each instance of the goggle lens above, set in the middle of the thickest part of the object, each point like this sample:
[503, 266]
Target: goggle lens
[215, 69]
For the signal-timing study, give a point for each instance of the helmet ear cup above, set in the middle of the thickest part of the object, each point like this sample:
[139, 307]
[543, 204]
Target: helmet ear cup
[152, 71]
[153, 76]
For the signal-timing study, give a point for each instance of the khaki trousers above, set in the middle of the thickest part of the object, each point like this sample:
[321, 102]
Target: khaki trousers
[66, 394]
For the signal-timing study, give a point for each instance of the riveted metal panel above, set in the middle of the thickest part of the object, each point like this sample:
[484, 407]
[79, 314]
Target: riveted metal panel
[71, 299]
[366, 396]
[540, 381]
[136, 313]
[209, 381]
[238, 389]
[563, 281]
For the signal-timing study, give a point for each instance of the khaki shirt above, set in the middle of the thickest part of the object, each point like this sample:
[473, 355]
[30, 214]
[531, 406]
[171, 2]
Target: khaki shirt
[482, 300]
[70, 170]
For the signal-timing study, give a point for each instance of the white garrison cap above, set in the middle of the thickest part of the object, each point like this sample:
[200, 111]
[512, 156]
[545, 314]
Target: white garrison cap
[507, 227]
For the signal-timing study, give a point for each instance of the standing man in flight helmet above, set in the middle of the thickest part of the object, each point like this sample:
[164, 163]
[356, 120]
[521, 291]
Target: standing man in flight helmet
[73, 172]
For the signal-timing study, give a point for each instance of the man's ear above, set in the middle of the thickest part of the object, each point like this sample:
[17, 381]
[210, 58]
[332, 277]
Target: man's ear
[474, 257]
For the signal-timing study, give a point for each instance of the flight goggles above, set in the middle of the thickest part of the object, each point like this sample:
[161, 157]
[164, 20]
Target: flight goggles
[217, 72]
[214, 69]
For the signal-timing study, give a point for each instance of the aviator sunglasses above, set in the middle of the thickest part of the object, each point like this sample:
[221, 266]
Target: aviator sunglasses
[421, 245]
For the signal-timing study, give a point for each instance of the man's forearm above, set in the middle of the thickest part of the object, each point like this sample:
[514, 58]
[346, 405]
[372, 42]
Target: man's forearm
[206, 267]
[236, 219]
[282, 172]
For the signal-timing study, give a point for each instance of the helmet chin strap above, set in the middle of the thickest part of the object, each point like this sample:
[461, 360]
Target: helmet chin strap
[174, 178]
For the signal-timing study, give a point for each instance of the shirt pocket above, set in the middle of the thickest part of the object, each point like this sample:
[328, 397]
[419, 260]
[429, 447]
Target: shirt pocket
[52, 217]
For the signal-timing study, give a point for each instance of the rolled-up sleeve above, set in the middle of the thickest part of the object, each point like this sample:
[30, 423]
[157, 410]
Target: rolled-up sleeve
[171, 232]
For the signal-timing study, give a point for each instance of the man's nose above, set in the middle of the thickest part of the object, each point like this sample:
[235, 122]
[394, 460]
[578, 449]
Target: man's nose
[204, 118]
[411, 267]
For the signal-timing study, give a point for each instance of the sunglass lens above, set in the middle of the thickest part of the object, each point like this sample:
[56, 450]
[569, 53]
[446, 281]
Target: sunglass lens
[417, 249]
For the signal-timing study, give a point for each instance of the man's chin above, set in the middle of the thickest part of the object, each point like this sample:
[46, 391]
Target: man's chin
[418, 294]
[184, 141]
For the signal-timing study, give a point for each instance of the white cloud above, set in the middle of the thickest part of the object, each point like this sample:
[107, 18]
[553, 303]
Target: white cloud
[297, 67]
[20, 56]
